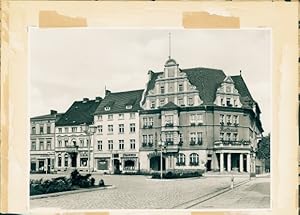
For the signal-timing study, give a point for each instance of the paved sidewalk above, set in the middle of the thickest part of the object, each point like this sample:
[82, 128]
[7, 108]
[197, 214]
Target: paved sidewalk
[137, 192]
[254, 194]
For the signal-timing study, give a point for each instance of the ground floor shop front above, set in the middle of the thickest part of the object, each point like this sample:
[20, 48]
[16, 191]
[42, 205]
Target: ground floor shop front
[116, 163]
[42, 163]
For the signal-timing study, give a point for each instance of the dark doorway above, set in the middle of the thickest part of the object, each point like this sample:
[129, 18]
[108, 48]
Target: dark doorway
[155, 163]
[48, 164]
[208, 165]
[129, 165]
[116, 166]
[73, 159]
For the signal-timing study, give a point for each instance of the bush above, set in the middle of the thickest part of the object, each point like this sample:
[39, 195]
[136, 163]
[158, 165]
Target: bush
[83, 181]
[50, 186]
[179, 174]
[101, 183]
[92, 182]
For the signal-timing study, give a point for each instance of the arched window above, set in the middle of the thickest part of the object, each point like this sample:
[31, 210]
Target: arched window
[180, 160]
[194, 159]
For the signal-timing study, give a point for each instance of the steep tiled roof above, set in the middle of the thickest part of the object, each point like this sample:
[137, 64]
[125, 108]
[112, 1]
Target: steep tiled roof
[79, 113]
[118, 101]
[47, 117]
[207, 81]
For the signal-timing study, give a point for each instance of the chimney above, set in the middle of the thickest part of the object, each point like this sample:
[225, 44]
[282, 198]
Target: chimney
[107, 92]
[85, 100]
[52, 112]
[98, 99]
[150, 73]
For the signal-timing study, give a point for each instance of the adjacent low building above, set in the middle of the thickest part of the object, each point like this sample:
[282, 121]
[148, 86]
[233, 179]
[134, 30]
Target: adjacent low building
[42, 142]
[74, 142]
[117, 143]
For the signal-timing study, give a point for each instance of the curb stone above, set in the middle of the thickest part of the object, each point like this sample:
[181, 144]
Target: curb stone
[70, 192]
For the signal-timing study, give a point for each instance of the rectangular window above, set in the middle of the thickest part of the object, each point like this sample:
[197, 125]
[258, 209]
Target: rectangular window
[59, 130]
[235, 103]
[110, 117]
[121, 144]
[180, 102]
[144, 139]
[33, 130]
[228, 119]
[169, 138]
[83, 162]
[100, 129]
[221, 118]
[235, 137]
[199, 138]
[193, 138]
[59, 161]
[200, 118]
[152, 104]
[180, 87]
[132, 116]
[66, 143]
[162, 89]
[121, 116]
[161, 102]
[74, 129]
[169, 119]
[132, 127]
[66, 160]
[180, 138]
[121, 128]
[42, 147]
[151, 121]
[42, 129]
[59, 143]
[33, 145]
[132, 143]
[81, 143]
[190, 101]
[110, 145]
[66, 130]
[48, 129]
[99, 117]
[193, 118]
[99, 145]
[221, 136]
[145, 121]
[110, 128]
[48, 145]
[228, 136]
[235, 119]
[151, 138]
[228, 102]
[222, 102]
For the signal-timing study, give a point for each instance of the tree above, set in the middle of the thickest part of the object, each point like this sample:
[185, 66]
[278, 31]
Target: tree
[263, 150]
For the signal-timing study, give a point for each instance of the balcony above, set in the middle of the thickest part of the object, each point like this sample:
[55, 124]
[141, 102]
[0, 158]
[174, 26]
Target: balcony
[169, 124]
[232, 144]
[72, 149]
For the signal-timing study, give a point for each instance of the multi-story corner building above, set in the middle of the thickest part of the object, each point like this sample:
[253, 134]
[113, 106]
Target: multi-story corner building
[42, 138]
[116, 145]
[198, 118]
[74, 145]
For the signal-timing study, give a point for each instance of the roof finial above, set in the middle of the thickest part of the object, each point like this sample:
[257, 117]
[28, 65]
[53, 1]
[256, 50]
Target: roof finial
[240, 72]
[169, 45]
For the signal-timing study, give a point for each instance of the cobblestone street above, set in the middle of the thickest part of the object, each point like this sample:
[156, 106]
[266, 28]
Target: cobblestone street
[140, 192]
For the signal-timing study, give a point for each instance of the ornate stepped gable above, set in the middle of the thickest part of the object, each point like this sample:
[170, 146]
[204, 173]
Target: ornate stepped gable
[200, 86]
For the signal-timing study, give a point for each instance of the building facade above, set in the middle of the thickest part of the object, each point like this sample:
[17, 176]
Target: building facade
[42, 139]
[198, 118]
[116, 146]
[74, 140]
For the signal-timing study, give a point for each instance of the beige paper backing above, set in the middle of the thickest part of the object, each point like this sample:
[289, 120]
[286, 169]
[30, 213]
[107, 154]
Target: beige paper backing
[281, 17]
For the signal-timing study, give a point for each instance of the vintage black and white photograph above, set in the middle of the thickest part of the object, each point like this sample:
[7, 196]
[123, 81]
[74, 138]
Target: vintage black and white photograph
[150, 118]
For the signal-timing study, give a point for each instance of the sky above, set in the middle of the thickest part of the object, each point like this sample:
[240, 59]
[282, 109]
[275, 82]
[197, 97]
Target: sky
[67, 65]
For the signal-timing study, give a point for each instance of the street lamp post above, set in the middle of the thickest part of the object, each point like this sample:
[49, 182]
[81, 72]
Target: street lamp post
[89, 130]
[162, 146]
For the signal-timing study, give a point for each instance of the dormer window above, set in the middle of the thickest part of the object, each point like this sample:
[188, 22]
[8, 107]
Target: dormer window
[180, 87]
[106, 108]
[128, 107]
[162, 89]
[228, 89]
[162, 102]
[152, 104]
[228, 102]
[191, 101]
